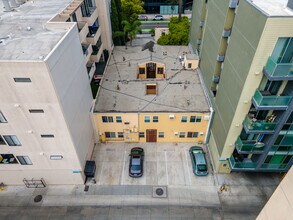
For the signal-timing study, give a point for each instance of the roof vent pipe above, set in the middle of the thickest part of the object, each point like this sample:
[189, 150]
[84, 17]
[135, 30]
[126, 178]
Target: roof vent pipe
[6, 5]
[13, 4]
[290, 4]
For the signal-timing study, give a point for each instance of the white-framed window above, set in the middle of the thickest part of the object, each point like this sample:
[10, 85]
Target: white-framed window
[182, 135]
[22, 79]
[118, 119]
[47, 136]
[141, 134]
[2, 118]
[24, 160]
[147, 119]
[155, 119]
[107, 119]
[110, 134]
[195, 118]
[120, 135]
[191, 134]
[36, 111]
[161, 134]
[184, 119]
[12, 140]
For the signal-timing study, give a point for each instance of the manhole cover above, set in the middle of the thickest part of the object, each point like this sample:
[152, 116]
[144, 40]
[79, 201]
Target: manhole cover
[38, 198]
[159, 191]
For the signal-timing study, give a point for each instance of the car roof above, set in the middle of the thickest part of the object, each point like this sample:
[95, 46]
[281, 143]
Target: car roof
[200, 159]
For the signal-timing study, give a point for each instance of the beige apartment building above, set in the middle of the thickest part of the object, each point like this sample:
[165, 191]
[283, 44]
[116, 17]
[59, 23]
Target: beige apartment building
[152, 97]
[46, 49]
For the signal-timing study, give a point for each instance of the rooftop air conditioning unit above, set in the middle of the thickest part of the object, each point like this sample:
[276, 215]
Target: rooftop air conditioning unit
[171, 116]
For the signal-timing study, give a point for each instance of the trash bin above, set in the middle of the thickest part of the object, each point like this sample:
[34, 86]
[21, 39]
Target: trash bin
[90, 168]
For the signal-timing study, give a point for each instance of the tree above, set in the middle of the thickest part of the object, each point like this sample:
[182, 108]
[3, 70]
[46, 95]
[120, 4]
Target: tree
[131, 29]
[117, 29]
[131, 9]
[179, 2]
[178, 32]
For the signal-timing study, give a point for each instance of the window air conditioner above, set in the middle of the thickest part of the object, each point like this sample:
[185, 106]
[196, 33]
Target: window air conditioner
[171, 116]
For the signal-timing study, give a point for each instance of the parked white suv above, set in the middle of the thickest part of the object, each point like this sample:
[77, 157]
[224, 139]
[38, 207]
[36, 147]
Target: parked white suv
[158, 18]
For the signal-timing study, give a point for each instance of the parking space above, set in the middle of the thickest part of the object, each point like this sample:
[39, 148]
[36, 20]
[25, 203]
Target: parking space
[164, 164]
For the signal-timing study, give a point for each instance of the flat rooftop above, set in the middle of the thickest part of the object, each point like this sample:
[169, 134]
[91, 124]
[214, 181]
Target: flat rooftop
[273, 7]
[23, 32]
[121, 91]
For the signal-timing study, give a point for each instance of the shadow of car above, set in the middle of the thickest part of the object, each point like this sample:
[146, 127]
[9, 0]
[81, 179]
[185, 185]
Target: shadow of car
[136, 162]
[198, 160]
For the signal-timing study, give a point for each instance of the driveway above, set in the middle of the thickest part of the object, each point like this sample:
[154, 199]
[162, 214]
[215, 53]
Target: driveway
[164, 164]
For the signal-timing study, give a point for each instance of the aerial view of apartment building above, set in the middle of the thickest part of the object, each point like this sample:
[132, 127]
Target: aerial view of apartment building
[245, 50]
[49, 53]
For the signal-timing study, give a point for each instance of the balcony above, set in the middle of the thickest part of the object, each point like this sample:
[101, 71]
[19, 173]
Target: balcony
[241, 164]
[249, 146]
[93, 37]
[97, 51]
[252, 125]
[278, 71]
[91, 68]
[83, 30]
[263, 100]
[91, 17]
[87, 51]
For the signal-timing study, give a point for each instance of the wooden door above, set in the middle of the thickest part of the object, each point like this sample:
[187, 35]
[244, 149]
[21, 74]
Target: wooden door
[151, 135]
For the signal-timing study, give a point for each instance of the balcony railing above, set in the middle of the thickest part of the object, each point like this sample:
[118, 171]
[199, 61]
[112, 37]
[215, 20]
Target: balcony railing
[263, 100]
[249, 146]
[253, 125]
[244, 164]
[278, 71]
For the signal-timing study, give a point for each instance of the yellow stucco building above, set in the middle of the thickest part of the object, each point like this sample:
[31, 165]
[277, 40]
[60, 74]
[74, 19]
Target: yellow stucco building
[147, 97]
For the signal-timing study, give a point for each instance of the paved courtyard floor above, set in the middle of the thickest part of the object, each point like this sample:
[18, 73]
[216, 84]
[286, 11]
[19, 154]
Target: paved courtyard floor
[117, 196]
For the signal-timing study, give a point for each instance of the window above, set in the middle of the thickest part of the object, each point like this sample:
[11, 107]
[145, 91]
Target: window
[268, 159]
[192, 134]
[155, 119]
[106, 119]
[195, 118]
[7, 158]
[161, 134]
[2, 118]
[141, 134]
[47, 135]
[118, 119]
[11, 140]
[24, 160]
[36, 110]
[2, 142]
[160, 70]
[141, 70]
[120, 135]
[147, 119]
[56, 157]
[182, 134]
[22, 79]
[110, 134]
[184, 119]
[189, 65]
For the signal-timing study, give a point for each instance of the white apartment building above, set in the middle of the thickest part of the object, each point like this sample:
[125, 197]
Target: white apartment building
[47, 61]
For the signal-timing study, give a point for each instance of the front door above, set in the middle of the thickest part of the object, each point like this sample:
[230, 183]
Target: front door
[151, 135]
[151, 70]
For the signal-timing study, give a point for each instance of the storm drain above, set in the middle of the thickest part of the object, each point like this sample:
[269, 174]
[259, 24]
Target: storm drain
[38, 198]
[159, 191]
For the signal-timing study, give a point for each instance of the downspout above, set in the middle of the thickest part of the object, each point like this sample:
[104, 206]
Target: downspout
[208, 132]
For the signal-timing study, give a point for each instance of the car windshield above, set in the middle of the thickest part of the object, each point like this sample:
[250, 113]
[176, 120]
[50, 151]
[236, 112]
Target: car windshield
[202, 167]
[135, 169]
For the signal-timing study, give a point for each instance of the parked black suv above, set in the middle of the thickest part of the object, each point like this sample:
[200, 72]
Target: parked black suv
[136, 162]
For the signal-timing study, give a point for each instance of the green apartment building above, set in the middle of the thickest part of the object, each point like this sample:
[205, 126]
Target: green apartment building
[246, 60]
